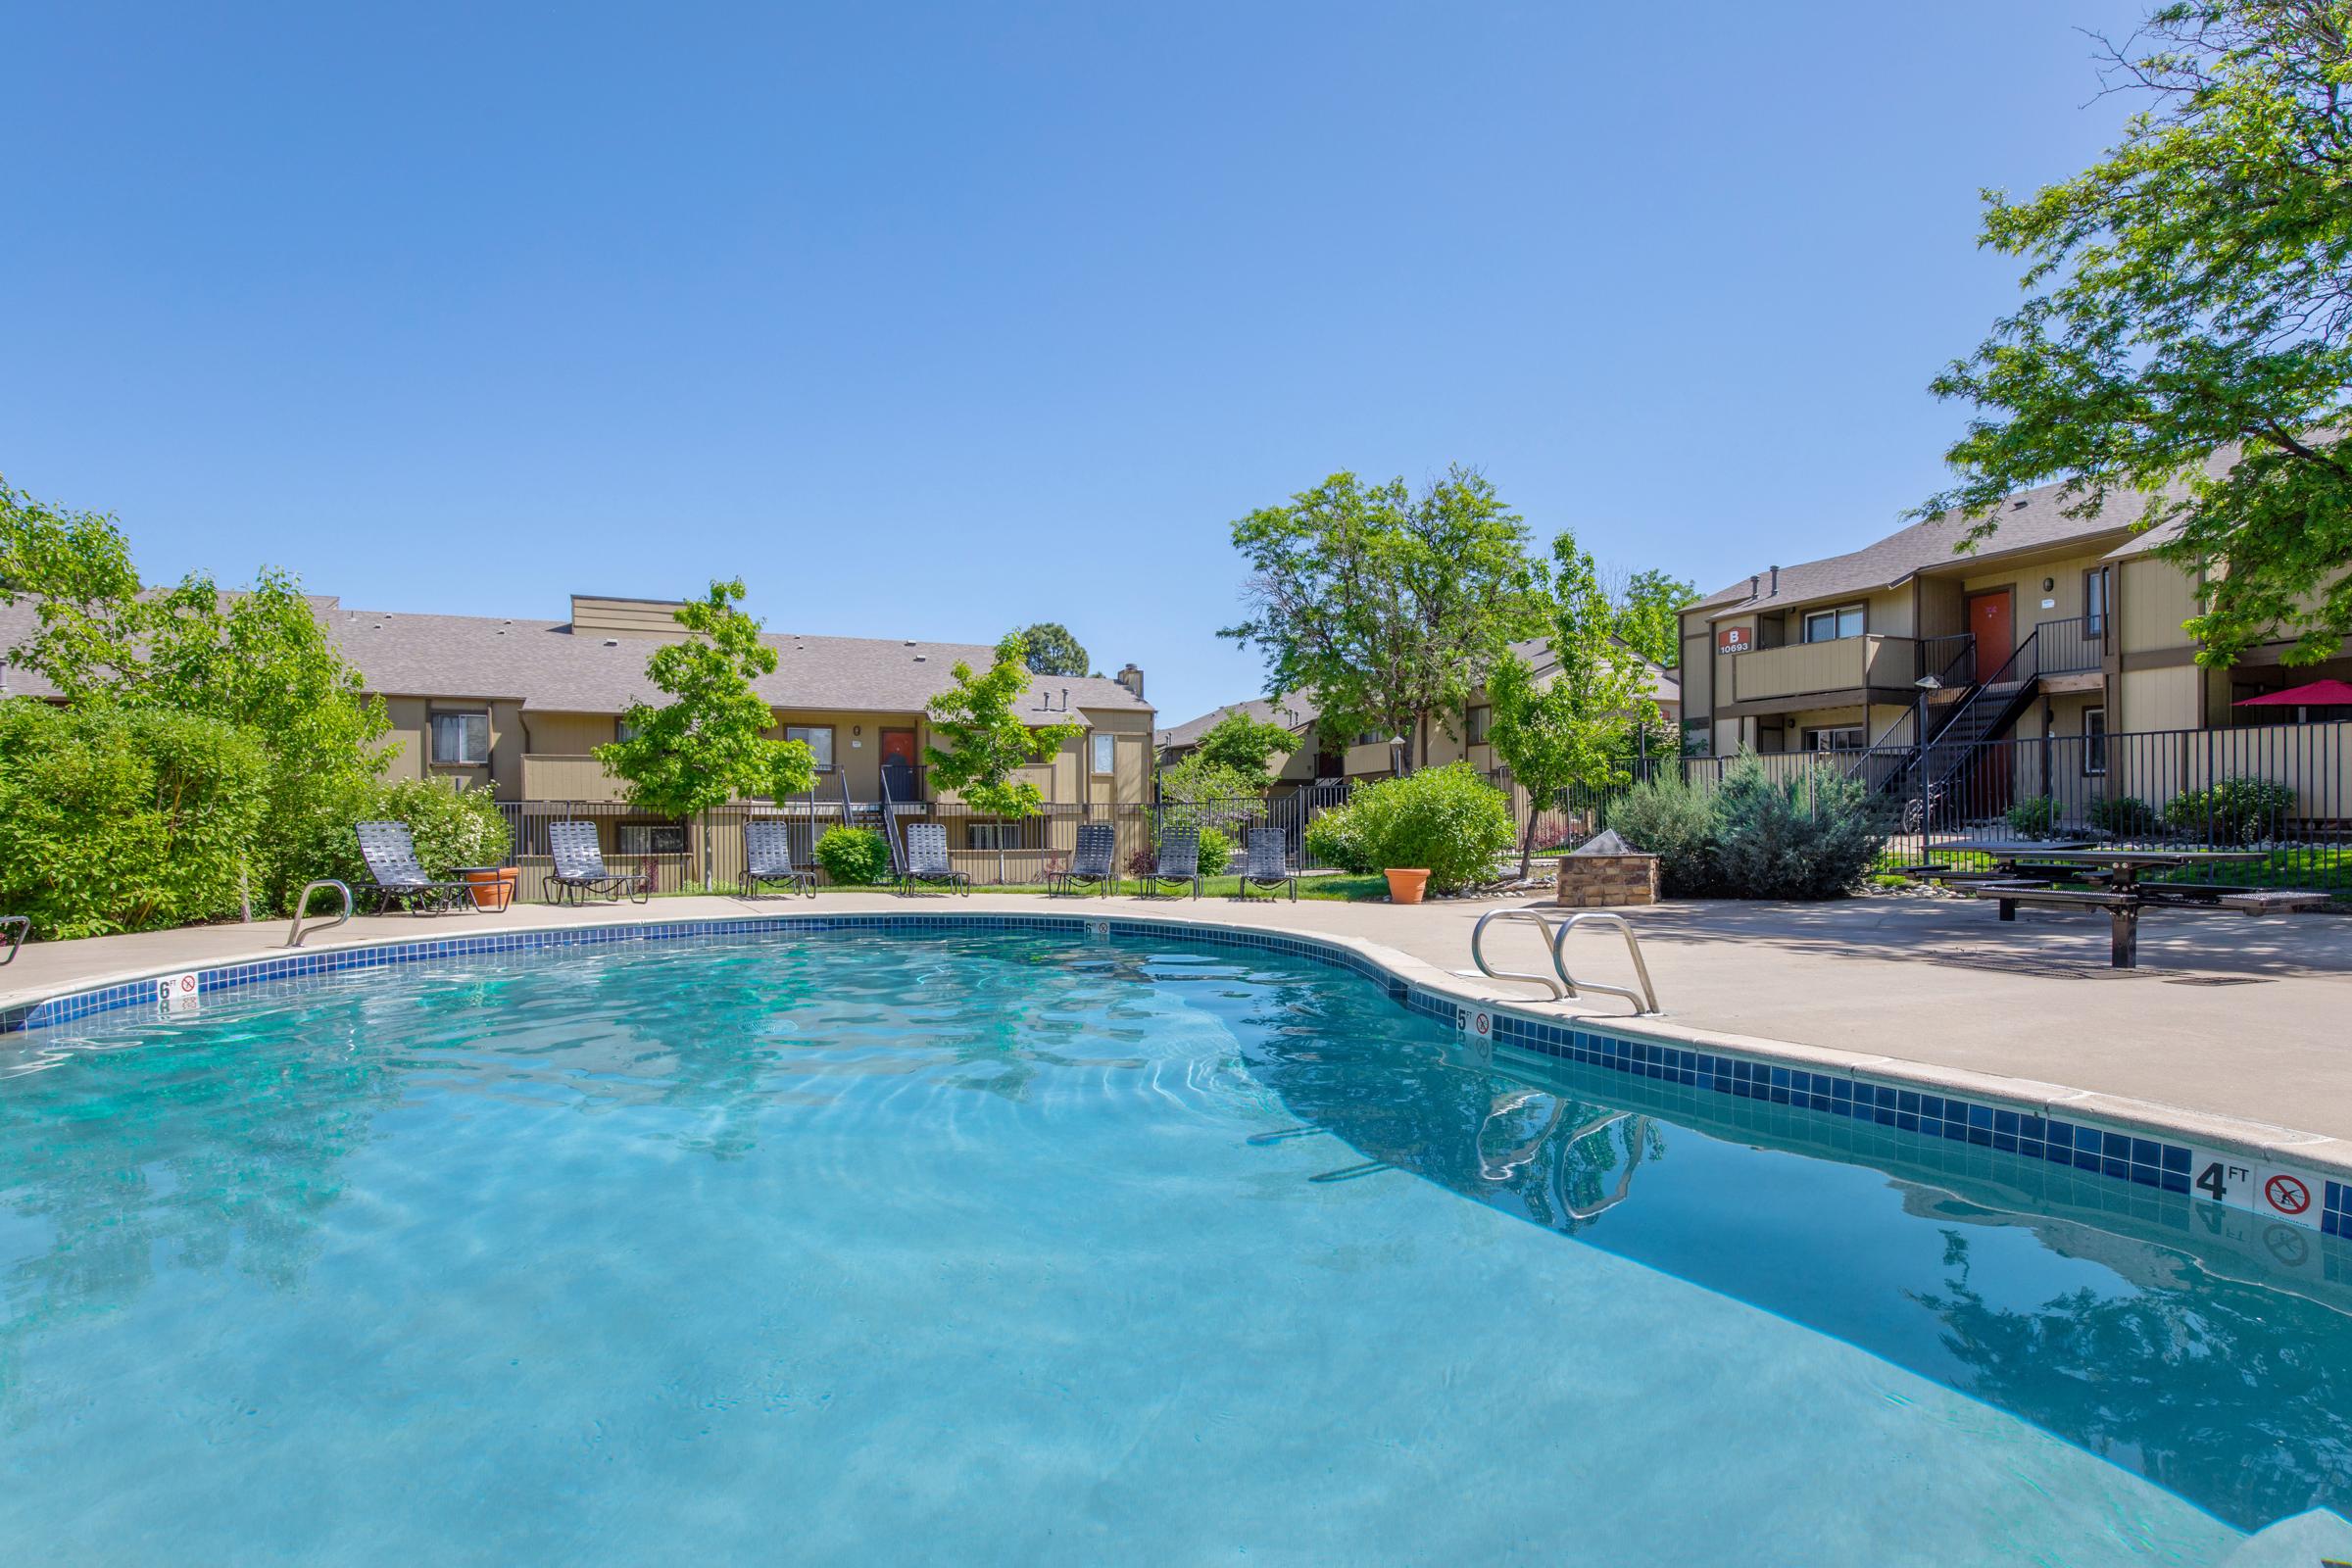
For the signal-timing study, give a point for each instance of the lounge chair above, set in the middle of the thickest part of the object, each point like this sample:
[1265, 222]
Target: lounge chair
[1097, 844]
[767, 858]
[927, 858]
[580, 873]
[1268, 864]
[1178, 862]
[395, 877]
[19, 927]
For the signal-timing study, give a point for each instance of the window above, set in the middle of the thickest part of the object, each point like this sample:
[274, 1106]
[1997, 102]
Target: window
[2094, 602]
[462, 739]
[1840, 738]
[1475, 725]
[650, 838]
[995, 835]
[1106, 752]
[1371, 737]
[623, 731]
[2094, 740]
[818, 738]
[1827, 626]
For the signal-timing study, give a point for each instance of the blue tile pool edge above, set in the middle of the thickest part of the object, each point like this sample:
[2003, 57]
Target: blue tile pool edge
[2145, 1153]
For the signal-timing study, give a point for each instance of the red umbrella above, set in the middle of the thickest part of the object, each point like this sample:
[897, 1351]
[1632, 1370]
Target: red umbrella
[2316, 694]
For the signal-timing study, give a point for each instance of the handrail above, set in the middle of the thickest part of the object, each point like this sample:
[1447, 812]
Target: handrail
[302, 904]
[1644, 1000]
[1478, 953]
[1927, 758]
[1566, 986]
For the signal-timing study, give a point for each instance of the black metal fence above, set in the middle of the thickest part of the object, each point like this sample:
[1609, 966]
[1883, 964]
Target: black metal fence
[2279, 794]
[676, 854]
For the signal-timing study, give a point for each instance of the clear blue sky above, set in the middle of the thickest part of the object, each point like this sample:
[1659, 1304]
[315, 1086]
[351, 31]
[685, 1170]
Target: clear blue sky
[933, 319]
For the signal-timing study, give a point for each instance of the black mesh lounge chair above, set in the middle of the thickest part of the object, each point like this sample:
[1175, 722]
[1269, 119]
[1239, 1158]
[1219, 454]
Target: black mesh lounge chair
[580, 873]
[1268, 864]
[767, 858]
[927, 858]
[1178, 864]
[395, 876]
[18, 927]
[1097, 844]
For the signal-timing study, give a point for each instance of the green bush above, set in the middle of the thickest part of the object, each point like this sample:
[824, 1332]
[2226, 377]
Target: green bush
[451, 827]
[1447, 820]
[1812, 836]
[2236, 810]
[1216, 850]
[1675, 821]
[125, 821]
[853, 857]
[1333, 840]
[2033, 817]
[2122, 816]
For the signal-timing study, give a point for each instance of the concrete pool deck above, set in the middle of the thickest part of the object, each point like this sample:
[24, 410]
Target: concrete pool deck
[2227, 1021]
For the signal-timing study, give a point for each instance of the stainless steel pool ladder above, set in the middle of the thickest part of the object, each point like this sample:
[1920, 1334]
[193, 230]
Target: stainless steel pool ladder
[297, 931]
[1555, 931]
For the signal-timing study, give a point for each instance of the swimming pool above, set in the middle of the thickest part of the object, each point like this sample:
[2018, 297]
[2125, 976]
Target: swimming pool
[1005, 1246]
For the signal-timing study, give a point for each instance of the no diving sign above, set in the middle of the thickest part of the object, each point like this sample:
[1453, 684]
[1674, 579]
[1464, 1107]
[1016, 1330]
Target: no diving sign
[1475, 1023]
[177, 992]
[2254, 1187]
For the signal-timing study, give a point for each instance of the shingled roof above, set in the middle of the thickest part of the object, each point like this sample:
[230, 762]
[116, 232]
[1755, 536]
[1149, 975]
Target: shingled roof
[2032, 520]
[548, 667]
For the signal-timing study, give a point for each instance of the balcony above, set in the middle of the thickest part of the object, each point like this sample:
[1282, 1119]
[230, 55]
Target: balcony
[555, 776]
[1823, 669]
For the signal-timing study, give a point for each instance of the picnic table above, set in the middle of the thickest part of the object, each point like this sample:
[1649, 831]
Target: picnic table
[2030, 871]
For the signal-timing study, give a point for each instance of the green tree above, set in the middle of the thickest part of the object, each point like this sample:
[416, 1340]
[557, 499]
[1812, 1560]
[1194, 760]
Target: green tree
[1649, 614]
[707, 744]
[2186, 333]
[982, 739]
[1246, 745]
[258, 660]
[1579, 727]
[1386, 606]
[1053, 651]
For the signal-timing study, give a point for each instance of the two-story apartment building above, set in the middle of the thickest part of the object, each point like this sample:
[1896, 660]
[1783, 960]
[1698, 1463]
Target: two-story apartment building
[1369, 755]
[2055, 626]
[518, 706]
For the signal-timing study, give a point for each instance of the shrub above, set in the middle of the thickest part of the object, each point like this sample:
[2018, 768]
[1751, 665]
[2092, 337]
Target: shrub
[1812, 836]
[853, 856]
[2033, 817]
[2236, 810]
[2122, 816]
[1332, 839]
[1445, 820]
[1216, 850]
[125, 821]
[451, 827]
[1675, 821]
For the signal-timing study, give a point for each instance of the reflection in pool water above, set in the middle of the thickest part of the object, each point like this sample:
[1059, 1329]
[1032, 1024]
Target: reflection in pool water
[1018, 1248]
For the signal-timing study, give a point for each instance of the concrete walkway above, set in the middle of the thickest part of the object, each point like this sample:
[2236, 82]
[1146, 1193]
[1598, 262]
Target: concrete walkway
[2249, 1019]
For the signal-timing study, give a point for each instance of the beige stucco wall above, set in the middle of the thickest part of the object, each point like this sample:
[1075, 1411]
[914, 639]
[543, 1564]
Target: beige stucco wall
[2172, 697]
[2154, 597]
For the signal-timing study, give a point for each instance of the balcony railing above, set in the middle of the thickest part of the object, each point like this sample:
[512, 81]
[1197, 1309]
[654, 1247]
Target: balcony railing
[558, 776]
[1800, 669]
[2069, 647]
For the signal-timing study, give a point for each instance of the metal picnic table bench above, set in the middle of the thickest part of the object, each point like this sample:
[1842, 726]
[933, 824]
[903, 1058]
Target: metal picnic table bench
[2029, 871]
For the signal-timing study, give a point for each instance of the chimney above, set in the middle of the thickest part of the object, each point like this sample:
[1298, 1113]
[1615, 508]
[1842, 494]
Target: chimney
[1776, 581]
[1755, 585]
[1133, 679]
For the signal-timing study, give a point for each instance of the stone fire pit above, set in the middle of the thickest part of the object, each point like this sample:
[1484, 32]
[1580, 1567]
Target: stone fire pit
[1607, 870]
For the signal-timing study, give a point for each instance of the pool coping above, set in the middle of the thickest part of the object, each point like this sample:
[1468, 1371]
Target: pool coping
[2255, 1154]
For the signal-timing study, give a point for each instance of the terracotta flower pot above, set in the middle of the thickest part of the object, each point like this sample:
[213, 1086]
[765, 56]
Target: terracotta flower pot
[492, 890]
[1406, 886]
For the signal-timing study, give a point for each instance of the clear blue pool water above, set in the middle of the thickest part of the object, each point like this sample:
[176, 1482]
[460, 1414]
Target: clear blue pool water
[1005, 1248]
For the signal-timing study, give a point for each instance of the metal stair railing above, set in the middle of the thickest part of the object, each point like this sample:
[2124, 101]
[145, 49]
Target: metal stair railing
[302, 904]
[2018, 673]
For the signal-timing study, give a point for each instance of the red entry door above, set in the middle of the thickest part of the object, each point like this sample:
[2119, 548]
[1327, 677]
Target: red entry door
[1988, 619]
[898, 762]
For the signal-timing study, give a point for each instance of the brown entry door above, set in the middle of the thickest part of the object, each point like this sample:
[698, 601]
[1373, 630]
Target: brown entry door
[1988, 619]
[898, 762]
